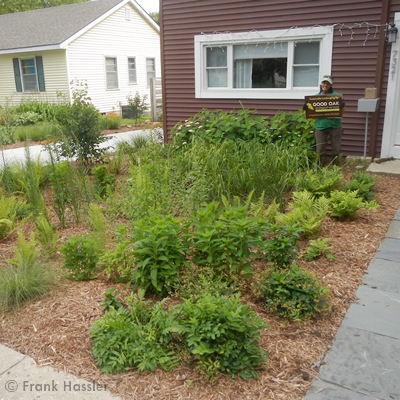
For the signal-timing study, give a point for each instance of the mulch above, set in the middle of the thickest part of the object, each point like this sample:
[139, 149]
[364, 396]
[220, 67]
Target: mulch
[53, 330]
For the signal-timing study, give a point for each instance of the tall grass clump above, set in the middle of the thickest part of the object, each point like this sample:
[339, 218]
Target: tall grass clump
[37, 132]
[24, 277]
[33, 177]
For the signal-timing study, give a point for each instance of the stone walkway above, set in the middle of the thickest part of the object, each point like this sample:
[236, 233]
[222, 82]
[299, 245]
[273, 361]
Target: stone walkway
[364, 361]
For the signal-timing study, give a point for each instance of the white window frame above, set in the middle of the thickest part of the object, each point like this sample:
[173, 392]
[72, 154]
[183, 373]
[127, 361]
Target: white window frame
[129, 69]
[24, 89]
[261, 38]
[152, 72]
[108, 72]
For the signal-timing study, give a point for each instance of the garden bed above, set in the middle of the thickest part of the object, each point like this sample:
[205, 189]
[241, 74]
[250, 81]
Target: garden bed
[53, 330]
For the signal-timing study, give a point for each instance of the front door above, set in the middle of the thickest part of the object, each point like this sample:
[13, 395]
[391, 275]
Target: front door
[391, 127]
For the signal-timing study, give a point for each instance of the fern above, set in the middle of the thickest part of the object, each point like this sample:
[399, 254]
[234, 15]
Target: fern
[7, 215]
[98, 224]
[46, 235]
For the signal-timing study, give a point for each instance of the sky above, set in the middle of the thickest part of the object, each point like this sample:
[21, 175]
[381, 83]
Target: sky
[149, 5]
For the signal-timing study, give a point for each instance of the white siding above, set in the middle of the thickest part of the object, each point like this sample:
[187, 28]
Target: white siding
[54, 66]
[120, 38]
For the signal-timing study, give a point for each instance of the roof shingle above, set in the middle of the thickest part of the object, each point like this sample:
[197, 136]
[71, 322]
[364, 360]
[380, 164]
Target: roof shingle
[49, 26]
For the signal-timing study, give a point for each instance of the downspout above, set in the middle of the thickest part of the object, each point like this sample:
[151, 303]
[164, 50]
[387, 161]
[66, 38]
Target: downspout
[164, 110]
[380, 67]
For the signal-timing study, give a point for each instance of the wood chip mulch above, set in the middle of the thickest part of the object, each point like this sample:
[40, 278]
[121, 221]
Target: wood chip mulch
[53, 331]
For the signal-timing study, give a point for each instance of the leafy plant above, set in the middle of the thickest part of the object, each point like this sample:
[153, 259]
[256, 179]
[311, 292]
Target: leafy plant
[46, 235]
[227, 239]
[25, 276]
[111, 120]
[294, 293]
[306, 211]
[7, 124]
[7, 215]
[81, 127]
[197, 280]
[222, 335]
[118, 261]
[98, 225]
[159, 253]
[364, 184]
[138, 336]
[281, 245]
[110, 300]
[217, 126]
[138, 105]
[27, 118]
[318, 248]
[104, 183]
[319, 181]
[292, 130]
[80, 258]
[346, 204]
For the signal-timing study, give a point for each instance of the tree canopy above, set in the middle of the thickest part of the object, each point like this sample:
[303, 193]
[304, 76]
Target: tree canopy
[156, 16]
[12, 6]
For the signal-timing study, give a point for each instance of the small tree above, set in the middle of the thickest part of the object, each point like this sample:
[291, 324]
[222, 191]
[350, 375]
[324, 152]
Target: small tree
[81, 127]
[138, 105]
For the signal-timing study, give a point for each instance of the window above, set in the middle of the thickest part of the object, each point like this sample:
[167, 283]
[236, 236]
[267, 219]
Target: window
[127, 13]
[28, 74]
[111, 73]
[151, 69]
[132, 69]
[283, 64]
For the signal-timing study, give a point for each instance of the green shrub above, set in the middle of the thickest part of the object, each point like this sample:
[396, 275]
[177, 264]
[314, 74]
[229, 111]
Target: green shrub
[217, 126]
[80, 258]
[281, 245]
[138, 336]
[27, 118]
[294, 293]
[292, 130]
[25, 277]
[81, 127]
[226, 240]
[137, 105]
[222, 335]
[159, 253]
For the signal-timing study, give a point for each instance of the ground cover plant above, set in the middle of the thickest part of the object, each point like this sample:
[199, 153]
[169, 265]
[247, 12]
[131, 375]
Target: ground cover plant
[219, 219]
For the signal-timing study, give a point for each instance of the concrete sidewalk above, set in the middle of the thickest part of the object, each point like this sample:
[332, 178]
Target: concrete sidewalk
[364, 361]
[22, 379]
[39, 152]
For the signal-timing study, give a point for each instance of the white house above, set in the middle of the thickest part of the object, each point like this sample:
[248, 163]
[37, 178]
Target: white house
[112, 46]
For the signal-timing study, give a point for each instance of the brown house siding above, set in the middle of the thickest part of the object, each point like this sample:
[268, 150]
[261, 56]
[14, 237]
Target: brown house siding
[354, 62]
